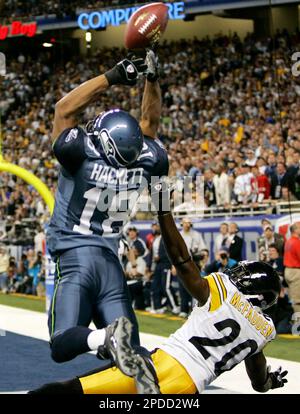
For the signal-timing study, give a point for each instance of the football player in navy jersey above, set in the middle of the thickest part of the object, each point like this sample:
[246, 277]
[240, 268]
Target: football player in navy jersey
[102, 170]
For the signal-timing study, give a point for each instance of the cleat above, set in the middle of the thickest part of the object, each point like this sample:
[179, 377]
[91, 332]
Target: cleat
[117, 347]
[146, 381]
[117, 344]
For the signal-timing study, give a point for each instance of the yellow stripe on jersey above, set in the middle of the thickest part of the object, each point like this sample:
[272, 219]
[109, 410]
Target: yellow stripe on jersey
[216, 298]
[172, 378]
[224, 290]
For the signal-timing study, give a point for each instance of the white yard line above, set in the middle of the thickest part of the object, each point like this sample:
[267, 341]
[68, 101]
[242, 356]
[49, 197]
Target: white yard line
[34, 324]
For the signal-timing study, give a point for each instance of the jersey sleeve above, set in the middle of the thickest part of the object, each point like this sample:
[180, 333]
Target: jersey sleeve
[218, 291]
[69, 148]
[162, 164]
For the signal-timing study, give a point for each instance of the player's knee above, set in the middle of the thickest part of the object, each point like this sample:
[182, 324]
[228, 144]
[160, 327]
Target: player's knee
[57, 351]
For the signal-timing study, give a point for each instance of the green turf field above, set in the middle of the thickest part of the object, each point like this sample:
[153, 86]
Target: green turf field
[280, 348]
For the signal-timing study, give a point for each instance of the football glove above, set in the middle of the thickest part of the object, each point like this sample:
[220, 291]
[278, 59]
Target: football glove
[274, 380]
[152, 72]
[126, 72]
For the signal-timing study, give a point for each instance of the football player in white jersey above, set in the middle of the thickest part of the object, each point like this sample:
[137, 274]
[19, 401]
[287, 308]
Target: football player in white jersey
[226, 327]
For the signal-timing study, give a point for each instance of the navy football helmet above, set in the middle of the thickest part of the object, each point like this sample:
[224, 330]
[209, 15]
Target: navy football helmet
[119, 135]
[258, 281]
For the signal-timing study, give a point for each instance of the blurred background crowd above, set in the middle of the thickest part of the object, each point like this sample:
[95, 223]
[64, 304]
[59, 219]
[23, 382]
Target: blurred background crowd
[234, 122]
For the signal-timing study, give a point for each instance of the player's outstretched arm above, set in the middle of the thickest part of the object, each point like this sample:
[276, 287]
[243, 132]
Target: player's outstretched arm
[125, 72]
[261, 378]
[178, 253]
[152, 101]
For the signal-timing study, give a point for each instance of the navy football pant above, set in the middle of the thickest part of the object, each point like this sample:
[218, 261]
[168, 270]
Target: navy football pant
[89, 286]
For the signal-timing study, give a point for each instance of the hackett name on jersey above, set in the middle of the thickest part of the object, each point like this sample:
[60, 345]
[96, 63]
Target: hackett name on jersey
[112, 176]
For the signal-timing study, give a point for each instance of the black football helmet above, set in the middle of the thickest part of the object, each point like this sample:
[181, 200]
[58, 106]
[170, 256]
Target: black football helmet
[258, 281]
[119, 135]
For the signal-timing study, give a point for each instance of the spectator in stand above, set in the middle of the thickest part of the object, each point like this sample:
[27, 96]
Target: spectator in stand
[11, 275]
[266, 239]
[231, 165]
[287, 196]
[222, 238]
[135, 272]
[136, 242]
[292, 267]
[151, 236]
[242, 186]
[4, 263]
[39, 240]
[161, 282]
[271, 165]
[275, 259]
[260, 186]
[251, 159]
[202, 259]
[195, 243]
[209, 188]
[193, 238]
[222, 262]
[222, 186]
[279, 179]
[235, 243]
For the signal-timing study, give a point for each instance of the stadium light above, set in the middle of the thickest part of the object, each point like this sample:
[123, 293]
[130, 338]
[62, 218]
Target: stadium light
[88, 37]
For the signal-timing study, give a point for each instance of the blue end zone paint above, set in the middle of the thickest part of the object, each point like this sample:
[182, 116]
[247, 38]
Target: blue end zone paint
[25, 364]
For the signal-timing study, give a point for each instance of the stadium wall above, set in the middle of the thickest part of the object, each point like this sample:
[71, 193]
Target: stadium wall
[202, 26]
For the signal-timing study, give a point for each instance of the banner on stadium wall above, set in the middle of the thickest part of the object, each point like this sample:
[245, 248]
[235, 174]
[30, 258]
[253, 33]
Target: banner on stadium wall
[250, 229]
[17, 28]
[116, 17]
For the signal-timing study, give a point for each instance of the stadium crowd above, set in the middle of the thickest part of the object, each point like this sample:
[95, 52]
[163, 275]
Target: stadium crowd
[230, 115]
[234, 120]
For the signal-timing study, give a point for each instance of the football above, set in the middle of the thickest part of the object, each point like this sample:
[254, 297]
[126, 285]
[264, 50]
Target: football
[146, 26]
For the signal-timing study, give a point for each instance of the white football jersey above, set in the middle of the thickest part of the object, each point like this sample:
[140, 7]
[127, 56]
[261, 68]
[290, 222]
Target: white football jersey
[220, 334]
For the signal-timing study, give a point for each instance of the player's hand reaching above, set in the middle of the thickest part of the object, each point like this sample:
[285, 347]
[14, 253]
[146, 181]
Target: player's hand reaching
[276, 378]
[127, 71]
[152, 73]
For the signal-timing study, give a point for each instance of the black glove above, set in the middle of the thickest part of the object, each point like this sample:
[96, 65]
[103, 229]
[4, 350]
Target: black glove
[152, 73]
[274, 380]
[126, 72]
[277, 378]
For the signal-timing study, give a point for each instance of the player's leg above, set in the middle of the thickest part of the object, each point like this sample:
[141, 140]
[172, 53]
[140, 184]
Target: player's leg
[168, 289]
[113, 299]
[113, 303]
[117, 346]
[70, 312]
[172, 378]
[156, 287]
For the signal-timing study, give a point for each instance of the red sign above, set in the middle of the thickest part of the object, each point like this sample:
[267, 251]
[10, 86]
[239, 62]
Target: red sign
[18, 29]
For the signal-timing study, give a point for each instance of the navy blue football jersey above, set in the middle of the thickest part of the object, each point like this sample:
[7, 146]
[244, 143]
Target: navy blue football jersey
[94, 200]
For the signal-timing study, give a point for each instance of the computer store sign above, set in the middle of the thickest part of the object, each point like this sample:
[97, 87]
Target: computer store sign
[17, 28]
[116, 17]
